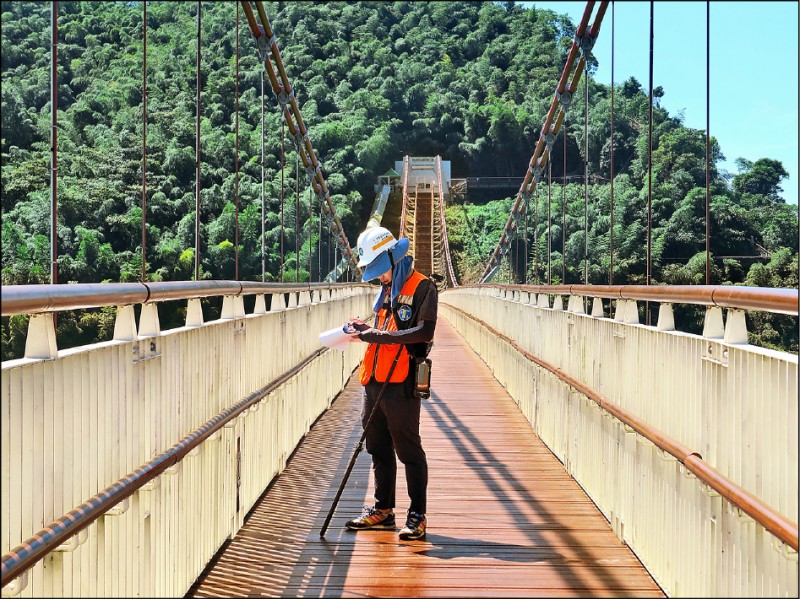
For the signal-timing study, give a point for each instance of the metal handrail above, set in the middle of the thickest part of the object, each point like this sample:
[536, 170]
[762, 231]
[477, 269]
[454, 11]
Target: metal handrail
[776, 300]
[783, 528]
[34, 299]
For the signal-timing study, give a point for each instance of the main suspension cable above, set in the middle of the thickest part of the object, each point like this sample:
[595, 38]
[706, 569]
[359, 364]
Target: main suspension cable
[267, 44]
[584, 40]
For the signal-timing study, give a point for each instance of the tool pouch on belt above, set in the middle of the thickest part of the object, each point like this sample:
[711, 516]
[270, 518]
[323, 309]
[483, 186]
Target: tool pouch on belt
[422, 378]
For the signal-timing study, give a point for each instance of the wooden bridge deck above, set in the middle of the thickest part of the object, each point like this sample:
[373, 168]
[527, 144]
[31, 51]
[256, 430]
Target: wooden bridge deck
[505, 518]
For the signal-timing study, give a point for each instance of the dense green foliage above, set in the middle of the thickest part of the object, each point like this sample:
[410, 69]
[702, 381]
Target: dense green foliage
[470, 81]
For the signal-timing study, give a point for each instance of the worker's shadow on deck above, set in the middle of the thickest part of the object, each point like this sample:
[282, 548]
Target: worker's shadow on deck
[447, 548]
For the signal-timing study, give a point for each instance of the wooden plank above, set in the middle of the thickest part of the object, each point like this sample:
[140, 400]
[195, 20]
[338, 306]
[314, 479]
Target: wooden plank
[505, 518]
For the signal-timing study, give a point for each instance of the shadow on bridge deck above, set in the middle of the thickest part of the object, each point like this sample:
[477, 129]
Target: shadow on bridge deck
[505, 518]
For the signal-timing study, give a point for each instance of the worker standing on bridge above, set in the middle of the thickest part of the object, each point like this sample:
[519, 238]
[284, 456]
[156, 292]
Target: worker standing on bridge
[406, 311]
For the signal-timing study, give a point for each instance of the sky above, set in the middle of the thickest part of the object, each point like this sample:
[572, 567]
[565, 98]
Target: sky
[753, 81]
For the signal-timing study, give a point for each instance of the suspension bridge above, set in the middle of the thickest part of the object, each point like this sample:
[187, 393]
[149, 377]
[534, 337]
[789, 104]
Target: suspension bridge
[574, 450]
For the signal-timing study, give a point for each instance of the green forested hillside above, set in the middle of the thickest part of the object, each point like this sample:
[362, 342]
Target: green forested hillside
[470, 81]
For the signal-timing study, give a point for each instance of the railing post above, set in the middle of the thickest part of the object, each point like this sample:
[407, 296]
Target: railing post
[41, 340]
[597, 307]
[125, 324]
[712, 326]
[666, 318]
[194, 313]
[736, 327]
[631, 313]
[576, 304]
[232, 307]
[149, 325]
[278, 303]
[619, 310]
[543, 301]
[260, 306]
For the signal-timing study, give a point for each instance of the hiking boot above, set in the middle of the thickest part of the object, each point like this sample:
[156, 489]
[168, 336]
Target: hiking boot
[414, 528]
[373, 518]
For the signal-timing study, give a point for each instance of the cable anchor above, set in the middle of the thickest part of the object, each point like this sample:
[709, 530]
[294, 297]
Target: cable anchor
[585, 44]
[564, 98]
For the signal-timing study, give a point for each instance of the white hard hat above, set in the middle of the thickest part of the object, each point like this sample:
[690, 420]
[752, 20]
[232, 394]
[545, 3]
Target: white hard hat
[374, 248]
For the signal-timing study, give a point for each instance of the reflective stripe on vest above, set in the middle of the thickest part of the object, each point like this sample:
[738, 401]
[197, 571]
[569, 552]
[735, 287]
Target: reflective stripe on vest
[381, 356]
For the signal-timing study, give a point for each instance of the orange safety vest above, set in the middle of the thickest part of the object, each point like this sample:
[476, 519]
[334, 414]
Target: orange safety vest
[379, 357]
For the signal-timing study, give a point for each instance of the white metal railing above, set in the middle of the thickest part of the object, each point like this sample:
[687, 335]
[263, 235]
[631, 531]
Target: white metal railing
[732, 404]
[81, 419]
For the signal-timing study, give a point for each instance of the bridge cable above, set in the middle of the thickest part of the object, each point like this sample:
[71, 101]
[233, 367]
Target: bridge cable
[310, 232]
[283, 167]
[518, 233]
[515, 257]
[584, 39]
[586, 174]
[144, 142]
[549, 224]
[263, 192]
[525, 246]
[236, 167]
[536, 238]
[267, 43]
[708, 133]
[650, 164]
[297, 217]
[564, 215]
[611, 211]
[319, 245]
[197, 155]
[54, 147]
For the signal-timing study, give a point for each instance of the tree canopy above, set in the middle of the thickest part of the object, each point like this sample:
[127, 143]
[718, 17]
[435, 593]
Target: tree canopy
[470, 81]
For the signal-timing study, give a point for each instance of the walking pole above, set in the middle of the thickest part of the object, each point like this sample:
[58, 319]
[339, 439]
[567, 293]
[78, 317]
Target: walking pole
[359, 446]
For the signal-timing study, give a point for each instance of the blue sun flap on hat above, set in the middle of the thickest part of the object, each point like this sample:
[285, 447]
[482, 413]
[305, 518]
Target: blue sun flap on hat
[382, 263]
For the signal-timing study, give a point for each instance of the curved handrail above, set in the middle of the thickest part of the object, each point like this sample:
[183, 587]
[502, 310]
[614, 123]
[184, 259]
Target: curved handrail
[34, 299]
[783, 528]
[776, 300]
